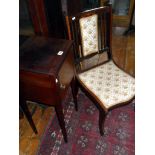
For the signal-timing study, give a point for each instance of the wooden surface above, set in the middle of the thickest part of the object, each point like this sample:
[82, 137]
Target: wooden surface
[39, 54]
[124, 56]
[41, 71]
[123, 48]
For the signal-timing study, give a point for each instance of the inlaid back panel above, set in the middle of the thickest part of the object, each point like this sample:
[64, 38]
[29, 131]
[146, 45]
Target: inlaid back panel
[91, 31]
[89, 34]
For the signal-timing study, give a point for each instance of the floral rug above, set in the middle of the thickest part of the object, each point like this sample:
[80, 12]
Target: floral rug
[83, 131]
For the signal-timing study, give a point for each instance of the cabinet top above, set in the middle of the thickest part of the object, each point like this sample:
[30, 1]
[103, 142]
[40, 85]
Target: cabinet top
[43, 55]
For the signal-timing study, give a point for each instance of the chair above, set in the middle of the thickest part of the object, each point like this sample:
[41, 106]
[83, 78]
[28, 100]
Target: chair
[97, 74]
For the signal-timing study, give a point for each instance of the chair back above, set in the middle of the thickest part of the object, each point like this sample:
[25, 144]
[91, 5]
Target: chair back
[91, 31]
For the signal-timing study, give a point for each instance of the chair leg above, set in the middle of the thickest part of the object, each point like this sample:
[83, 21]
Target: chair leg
[102, 116]
[60, 115]
[74, 87]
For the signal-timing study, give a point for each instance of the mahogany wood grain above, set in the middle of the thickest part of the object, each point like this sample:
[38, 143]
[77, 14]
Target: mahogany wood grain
[39, 18]
[43, 72]
[34, 17]
[41, 13]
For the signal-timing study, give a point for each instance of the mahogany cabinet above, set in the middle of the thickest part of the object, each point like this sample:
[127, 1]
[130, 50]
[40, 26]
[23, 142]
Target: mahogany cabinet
[46, 72]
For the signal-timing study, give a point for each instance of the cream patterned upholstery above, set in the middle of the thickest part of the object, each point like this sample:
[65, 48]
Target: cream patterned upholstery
[110, 84]
[89, 32]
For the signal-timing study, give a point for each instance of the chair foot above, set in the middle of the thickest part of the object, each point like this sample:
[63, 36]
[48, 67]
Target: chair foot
[102, 116]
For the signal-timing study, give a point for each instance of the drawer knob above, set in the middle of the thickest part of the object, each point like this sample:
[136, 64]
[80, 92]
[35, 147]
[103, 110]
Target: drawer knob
[56, 80]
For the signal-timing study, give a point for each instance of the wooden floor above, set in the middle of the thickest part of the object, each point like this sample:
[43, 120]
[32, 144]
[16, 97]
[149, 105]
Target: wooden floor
[124, 55]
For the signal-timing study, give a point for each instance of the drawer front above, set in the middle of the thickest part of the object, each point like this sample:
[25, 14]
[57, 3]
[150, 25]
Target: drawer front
[66, 72]
[37, 87]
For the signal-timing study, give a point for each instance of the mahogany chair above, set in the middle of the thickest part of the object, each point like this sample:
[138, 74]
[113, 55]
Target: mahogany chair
[97, 74]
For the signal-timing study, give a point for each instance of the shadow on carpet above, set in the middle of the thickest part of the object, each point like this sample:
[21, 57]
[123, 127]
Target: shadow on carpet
[83, 132]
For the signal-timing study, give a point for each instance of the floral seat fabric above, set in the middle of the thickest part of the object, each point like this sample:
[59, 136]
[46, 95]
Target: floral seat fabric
[109, 83]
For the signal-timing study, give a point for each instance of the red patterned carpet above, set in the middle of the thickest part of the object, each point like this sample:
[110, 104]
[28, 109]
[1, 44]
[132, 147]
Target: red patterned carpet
[83, 133]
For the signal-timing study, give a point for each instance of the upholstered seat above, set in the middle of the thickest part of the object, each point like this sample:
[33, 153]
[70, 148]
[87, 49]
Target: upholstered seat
[109, 84]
